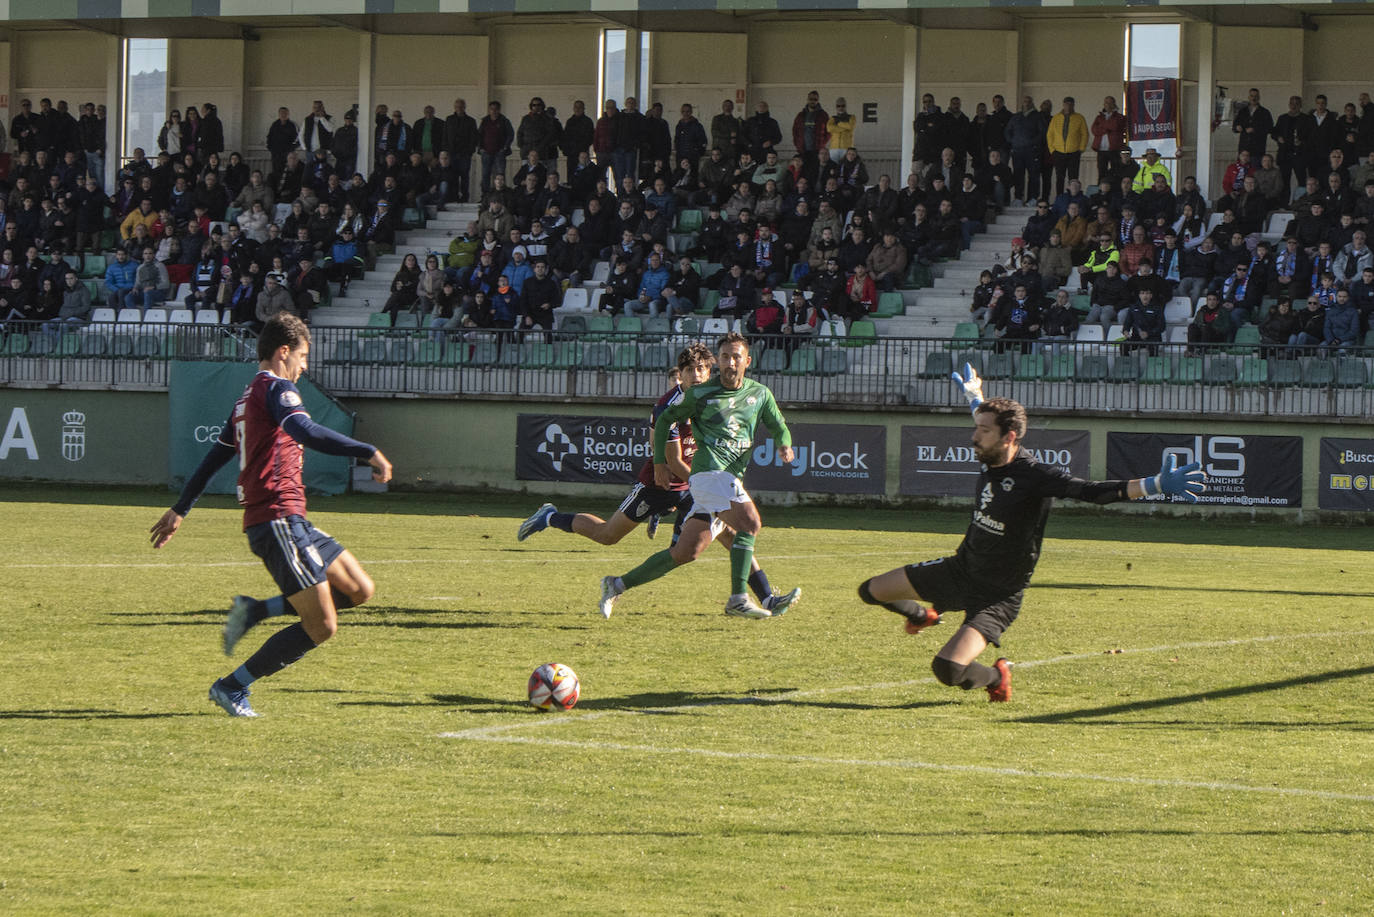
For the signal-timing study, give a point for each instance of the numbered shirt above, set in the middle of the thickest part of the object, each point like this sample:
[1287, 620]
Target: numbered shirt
[723, 424]
[270, 461]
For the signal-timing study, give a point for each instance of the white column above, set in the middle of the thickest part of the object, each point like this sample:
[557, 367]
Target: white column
[910, 100]
[1206, 89]
[367, 124]
[114, 109]
[632, 87]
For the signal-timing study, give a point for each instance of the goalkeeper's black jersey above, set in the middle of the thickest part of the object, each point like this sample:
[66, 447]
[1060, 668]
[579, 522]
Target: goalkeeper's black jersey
[1013, 501]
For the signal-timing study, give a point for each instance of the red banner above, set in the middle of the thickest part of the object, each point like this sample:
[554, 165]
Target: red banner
[1152, 109]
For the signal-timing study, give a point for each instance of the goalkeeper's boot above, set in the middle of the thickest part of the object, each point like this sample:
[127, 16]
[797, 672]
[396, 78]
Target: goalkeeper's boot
[233, 700]
[238, 622]
[609, 593]
[537, 522]
[742, 606]
[921, 618]
[779, 605]
[1001, 692]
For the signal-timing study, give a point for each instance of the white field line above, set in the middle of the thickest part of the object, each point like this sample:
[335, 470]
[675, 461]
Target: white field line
[927, 765]
[454, 561]
[500, 733]
[482, 732]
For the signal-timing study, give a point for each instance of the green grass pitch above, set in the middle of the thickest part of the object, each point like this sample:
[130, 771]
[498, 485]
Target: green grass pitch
[1221, 763]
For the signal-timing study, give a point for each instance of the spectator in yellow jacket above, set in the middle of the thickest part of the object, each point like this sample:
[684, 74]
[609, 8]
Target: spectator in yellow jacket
[144, 214]
[1067, 138]
[1145, 178]
[841, 130]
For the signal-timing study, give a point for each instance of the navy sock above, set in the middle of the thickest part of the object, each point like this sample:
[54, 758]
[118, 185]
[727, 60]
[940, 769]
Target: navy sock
[758, 581]
[561, 521]
[279, 651]
[268, 608]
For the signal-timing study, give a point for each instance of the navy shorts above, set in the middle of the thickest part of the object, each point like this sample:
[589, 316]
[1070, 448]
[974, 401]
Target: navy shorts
[643, 501]
[942, 583]
[296, 553]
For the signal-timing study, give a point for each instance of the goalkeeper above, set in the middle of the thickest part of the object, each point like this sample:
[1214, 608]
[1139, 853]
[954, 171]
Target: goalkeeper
[986, 577]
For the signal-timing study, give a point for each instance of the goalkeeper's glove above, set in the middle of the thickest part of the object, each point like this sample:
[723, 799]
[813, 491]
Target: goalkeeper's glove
[1187, 482]
[970, 385]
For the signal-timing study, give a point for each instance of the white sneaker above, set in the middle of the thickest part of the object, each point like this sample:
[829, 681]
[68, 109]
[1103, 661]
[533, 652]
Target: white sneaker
[779, 605]
[608, 595]
[745, 607]
[237, 624]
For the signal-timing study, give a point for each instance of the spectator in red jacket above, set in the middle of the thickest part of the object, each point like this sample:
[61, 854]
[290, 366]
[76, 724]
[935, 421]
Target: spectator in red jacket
[1109, 135]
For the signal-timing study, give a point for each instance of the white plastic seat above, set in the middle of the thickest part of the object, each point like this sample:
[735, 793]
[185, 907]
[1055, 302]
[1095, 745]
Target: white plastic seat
[1116, 331]
[207, 317]
[227, 318]
[1213, 222]
[1089, 333]
[715, 326]
[780, 296]
[575, 298]
[601, 271]
[155, 316]
[180, 317]
[1178, 309]
[129, 316]
[102, 316]
[1177, 335]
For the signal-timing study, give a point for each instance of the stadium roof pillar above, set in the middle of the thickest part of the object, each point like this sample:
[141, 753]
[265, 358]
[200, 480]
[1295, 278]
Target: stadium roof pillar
[367, 70]
[114, 107]
[1206, 45]
[910, 69]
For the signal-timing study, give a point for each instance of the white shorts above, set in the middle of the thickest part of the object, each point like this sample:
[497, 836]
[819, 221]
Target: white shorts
[714, 491]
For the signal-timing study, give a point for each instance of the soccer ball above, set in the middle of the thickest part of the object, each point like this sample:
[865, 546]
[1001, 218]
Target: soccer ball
[554, 686]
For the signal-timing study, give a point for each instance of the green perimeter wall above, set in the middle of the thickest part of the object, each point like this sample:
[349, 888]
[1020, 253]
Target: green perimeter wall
[445, 444]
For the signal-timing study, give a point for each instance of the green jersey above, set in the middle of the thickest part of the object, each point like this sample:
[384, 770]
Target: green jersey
[723, 424]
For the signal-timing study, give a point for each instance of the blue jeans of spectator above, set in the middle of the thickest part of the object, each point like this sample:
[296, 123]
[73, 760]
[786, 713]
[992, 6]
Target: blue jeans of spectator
[678, 305]
[1303, 339]
[1193, 288]
[966, 229]
[433, 198]
[95, 164]
[999, 194]
[439, 325]
[116, 298]
[622, 164]
[637, 306]
[492, 163]
[148, 299]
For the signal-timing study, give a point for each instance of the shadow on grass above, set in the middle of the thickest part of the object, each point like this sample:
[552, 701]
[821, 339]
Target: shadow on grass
[381, 616]
[1090, 715]
[960, 833]
[1158, 587]
[79, 714]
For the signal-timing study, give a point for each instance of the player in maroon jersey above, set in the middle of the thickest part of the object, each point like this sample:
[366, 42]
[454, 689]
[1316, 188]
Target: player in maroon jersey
[268, 431]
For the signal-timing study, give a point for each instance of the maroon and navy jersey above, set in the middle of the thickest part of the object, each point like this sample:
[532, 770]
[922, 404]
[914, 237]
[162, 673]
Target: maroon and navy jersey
[270, 461]
[680, 432]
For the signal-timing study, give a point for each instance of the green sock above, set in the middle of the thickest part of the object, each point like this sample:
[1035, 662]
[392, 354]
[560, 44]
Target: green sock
[655, 566]
[741, 560]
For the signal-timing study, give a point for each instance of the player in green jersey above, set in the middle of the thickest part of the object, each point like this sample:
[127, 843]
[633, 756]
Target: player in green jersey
[724, 412]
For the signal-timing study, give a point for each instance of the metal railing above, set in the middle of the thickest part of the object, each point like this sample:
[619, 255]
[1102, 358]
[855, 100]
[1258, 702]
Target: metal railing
[1049, 376]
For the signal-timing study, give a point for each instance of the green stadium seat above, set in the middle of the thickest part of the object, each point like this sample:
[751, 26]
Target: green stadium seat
[16, 344]
[94, 267]
[512, 353]
[68, 346]
[999, 366]
[1157, 371]
[689, 325]
[656, 357]
[773, 360]
[537, 356]
[626, 357]
[972, 358]
[377, 323]
[565, 354]
[889, 304]
[966, 334]
[1062, 367]
[572, 324]
[484, 353]
[833, 362]
[94, 345]
[1189, 371]
[939, 364]
[1284, 372]
[94, 287]
[803, 362]
[1092, 368]
[1319, 373]
[599, 327]
[1352, 372]
[1369, 339]
[401, 352]
[407, 321]
[596, 356]
[345, 351]
[689, 220]
[1246, 342]
[40, 344]
[658, 326]
[629, 324]
[1253, 371]
[425, 353]
[1125, 369]
[861, 333]
[373, 351]
[709, 300]
[147, 345]
[455, 352]
[1030, 367]
[1221, 370]
[122, 345]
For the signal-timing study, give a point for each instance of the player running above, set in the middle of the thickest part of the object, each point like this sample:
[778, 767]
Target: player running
[268, 430]
[647, 501]
[987, 576]
[724, 413]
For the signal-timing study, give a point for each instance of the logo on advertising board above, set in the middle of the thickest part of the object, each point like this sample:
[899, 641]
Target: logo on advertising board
[1347, 474]
[1240, 470]
[830, 458]
[593, 450]
[939, 461]
[73, 436]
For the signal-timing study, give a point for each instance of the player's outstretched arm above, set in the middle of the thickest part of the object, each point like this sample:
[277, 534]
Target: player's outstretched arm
[312, 435]
[971, 385]
[381, 468]
[1186, 482]
[165, 528]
